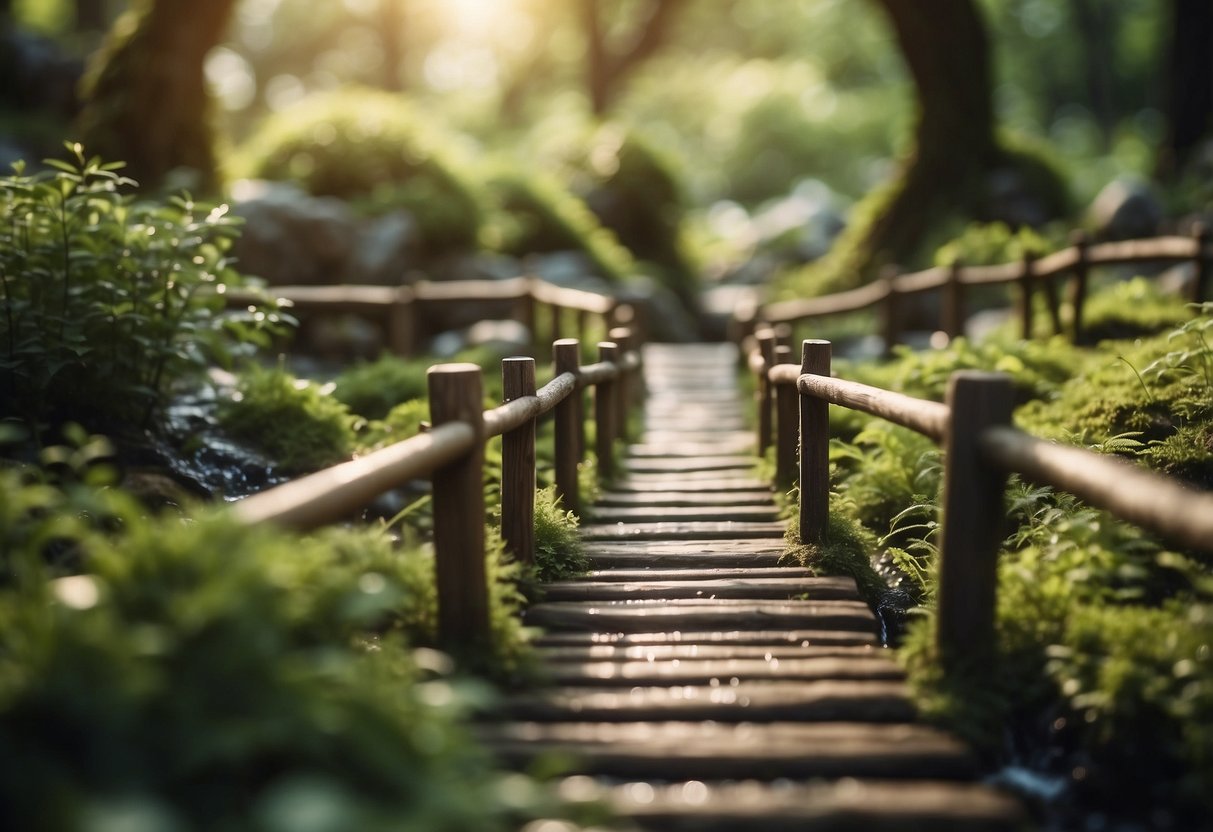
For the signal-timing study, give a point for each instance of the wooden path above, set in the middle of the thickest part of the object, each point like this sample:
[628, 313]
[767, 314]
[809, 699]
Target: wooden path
[697, 685]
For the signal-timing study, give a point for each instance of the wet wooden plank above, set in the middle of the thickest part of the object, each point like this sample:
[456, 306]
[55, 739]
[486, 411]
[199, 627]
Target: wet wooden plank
[695, 652]
[690, 530]
[710, 574]
[674, 554]
[715, 638]
[848, 805]
[644, 616]
[666, 514]
[678, 445]
[712, 750]
[818, 589]
[681, 464]
[716, 672]
[687, 484]
[655, 499]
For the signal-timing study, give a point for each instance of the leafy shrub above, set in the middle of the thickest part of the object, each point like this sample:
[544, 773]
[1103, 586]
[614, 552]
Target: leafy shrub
[108, 301]
[535, 215]
[990, 244]
[559, 552]
[373, 388]
[209, 675]
[401, 422]
[372, 149]
[636, 192]
[293, 421]
[846, 551]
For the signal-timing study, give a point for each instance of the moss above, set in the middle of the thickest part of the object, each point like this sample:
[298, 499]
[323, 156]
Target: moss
[292, 421]
[847, 550]
[559, 553]
[1132, 309]
[535, 215]
[373, 388]
[375, 150]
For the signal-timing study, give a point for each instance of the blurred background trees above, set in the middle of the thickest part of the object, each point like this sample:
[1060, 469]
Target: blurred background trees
[773, 120]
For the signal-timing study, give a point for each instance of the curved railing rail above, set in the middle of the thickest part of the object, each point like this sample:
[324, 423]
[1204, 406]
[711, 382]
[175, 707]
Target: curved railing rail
[981, 450]
[407, 313]
[451, 454]
[1030, 275]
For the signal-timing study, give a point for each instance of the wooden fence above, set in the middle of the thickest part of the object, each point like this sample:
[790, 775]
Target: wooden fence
[981, 450]
[408, 313]
[1029, 275]
[451, 454]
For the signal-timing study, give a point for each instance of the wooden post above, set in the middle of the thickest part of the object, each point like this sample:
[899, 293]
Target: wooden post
[783, 336]
[973, 520]
[787, 425]
[954, 302]
[1078, 288]
[566, 355]
[402, 323]
[1026, 278]
[625, 397]
[891, 310]
[456, 394]
[583, 324]
[814, 448]
[766, 346]
[518, 465]
[1049, 285]
[606, 394]
[1200, 281]
[526, 314]
[554, 316]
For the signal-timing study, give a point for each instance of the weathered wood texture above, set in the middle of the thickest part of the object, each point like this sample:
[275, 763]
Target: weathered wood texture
[518, 465]
[689, 654]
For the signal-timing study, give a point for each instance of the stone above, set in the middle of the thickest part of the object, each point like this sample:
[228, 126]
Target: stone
[1125, 209]
[388, 248]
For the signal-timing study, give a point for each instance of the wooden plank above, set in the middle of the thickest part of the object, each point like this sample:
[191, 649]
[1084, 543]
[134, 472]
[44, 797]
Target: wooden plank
[683, 750]
[669, 652]
[819, 589]
[662, 465]
[667, 514]
[842, 584]
[848, 805]
[769, 639]
[687, 483]
[670, 616]
[643, 554]
[656, 499]
[718, 672]
[701, 530]
[755, 702]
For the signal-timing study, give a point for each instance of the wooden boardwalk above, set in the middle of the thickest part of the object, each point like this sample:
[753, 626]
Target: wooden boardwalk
[696, 685]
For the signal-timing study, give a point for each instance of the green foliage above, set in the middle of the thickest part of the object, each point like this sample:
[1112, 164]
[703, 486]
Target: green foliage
[108, 301]
[534, 215]
[990, 244]
[209, 675]
[373, 388]
[375, 150]
[846, 551]
[1131, 309]
[295, 422]
[559, 553]
[401, 422]
[636, 191]
[1036, 368]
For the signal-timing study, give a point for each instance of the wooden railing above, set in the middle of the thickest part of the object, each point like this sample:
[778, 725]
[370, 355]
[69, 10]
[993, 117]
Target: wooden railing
[981, 450]
[407, 313]
[1029, 275]
[451, 454]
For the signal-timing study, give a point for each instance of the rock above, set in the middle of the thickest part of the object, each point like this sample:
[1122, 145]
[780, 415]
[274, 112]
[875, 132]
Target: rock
[506, 337]
[801, 226]
[662, 315]
[1125, 209]
[388, 247]
[474, 266]
[567, 268]
[290, 237]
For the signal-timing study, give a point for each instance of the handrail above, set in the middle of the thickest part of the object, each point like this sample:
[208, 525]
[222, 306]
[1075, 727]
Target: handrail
[404, 309]
[1074, 260]
[452, 455]
[982, 448]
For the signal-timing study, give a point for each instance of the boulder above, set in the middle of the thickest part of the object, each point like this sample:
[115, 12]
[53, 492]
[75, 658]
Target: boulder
[388, 248]
[290, 237]
[1125, 209]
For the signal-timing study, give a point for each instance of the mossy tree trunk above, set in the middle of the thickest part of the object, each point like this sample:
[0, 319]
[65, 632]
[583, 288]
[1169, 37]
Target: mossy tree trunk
[947, 52]
[610, 60]
[1189, 95]
[145, 96]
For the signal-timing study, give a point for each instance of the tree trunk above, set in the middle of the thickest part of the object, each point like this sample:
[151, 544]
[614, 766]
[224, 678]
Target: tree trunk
[145, 96]
[1189, 99]
[946, 50]
[391, 38]
[607, 68]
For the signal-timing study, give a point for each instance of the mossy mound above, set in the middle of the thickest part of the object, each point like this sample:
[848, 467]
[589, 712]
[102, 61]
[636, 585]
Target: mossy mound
[374, 150]
[1132, 309]
[534, 214]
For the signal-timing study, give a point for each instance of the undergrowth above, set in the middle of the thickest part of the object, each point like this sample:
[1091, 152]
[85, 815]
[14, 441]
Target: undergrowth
[559, 553]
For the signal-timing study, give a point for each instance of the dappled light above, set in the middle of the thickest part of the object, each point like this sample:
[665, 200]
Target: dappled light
[558, 415]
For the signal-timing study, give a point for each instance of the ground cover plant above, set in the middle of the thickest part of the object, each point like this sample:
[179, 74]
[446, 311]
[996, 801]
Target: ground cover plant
[203, 674]
[1103, 632]
[108, 300]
